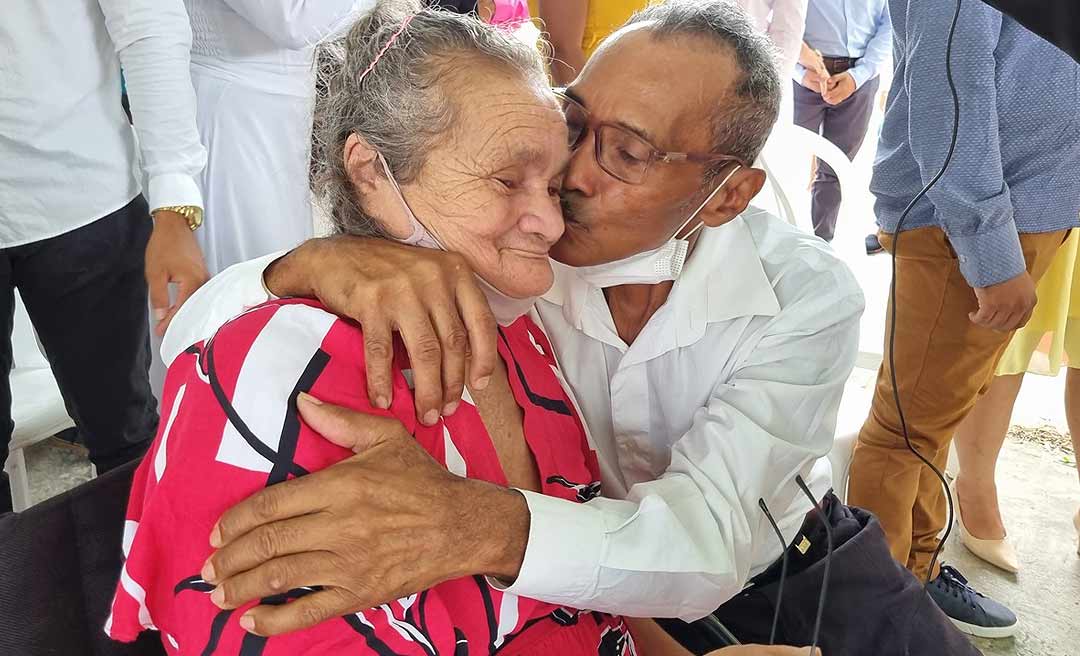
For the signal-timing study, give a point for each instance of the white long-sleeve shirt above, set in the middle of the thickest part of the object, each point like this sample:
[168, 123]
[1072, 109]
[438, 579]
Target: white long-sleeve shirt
[266, 44]
[67, 153]
[783, 21]
[728, 393]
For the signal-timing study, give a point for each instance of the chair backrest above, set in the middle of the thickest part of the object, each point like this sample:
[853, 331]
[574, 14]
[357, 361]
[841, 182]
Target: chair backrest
[786, 159]
[24, 343]
[61, 560]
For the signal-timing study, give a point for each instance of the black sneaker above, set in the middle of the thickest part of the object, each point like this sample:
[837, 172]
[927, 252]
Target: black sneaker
[873, 246]
[971, 612]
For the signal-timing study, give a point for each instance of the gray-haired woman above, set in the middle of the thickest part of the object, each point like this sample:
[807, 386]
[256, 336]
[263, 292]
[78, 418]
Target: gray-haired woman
[438, 131]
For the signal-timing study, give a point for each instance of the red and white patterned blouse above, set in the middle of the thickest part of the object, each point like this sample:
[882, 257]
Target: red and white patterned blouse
[231, 427]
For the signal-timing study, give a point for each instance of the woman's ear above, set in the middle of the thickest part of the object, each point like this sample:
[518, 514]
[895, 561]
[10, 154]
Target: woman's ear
[733, 199]
[361, 164]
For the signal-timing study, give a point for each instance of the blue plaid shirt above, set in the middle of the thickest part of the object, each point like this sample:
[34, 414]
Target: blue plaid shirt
[1016, 168]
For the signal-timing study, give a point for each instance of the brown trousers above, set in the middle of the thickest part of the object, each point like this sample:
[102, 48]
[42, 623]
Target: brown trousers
[944, 363]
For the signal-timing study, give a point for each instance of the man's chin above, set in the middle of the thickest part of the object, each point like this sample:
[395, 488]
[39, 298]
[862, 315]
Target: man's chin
[570, 251]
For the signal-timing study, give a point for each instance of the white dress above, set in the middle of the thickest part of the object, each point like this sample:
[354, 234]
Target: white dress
[252, 69]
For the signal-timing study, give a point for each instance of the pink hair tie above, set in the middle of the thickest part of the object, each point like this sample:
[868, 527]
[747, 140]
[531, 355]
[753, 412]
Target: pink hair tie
[389, 43]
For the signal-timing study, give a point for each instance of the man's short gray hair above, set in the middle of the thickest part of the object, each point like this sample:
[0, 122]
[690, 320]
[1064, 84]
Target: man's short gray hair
[404, 106]
[743, 124]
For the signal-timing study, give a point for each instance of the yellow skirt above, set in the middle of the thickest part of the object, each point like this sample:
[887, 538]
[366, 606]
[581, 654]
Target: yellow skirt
[1051, 339]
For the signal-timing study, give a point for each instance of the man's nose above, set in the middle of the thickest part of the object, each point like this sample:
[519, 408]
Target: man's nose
[581, 174]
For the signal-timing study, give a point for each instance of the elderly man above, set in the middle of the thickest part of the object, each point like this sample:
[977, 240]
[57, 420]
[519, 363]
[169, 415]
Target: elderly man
[710, 390]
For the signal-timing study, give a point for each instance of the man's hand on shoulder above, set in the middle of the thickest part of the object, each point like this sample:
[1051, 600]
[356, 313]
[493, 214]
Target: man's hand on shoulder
[429, 297]
[384, 524]
[172, 255]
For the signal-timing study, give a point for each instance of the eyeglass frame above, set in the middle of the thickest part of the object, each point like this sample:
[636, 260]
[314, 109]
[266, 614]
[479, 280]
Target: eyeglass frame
[655, 154]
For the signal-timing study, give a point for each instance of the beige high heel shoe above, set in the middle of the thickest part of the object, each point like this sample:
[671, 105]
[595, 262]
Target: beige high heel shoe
[999, 553]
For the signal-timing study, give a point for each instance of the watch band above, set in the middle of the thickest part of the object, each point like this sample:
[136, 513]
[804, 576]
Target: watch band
[192, 213]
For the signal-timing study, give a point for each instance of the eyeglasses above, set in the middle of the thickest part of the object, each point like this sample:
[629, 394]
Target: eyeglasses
[619, 152]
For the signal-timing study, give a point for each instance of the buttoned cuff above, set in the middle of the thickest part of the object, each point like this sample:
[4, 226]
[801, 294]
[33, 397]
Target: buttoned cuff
[173, 189]
[990, 257]
[562, 558]
[861, 74]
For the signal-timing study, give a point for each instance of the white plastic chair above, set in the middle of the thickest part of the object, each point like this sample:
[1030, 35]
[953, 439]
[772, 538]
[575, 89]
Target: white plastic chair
[37, 407]
[786, 159]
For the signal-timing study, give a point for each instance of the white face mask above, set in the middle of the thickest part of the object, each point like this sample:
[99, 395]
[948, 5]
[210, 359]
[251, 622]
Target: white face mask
[506, 309]
[651, 267]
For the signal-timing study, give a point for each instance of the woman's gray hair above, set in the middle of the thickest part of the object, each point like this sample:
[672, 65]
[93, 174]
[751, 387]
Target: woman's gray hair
[404, 106]
[741, 127]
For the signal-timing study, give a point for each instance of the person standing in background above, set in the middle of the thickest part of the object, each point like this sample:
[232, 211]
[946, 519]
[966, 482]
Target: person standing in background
[847, 41]
[76, 234]
[575, 29]
[1048, 343]
[972, 250]
[783, 21]
[252, 68]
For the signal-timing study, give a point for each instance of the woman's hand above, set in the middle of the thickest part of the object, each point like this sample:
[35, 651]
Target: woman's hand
[430, 297]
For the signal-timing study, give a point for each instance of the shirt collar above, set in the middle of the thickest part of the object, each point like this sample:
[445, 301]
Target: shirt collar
[723, 280]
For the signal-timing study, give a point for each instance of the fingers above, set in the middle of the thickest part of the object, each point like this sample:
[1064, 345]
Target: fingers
[378, 362]
[482, 331]
[303, 613]
[274, 577]
[263, 544]
[347, 428]
[425, 355]
[455, 347]
[157, 281]
[294, 498]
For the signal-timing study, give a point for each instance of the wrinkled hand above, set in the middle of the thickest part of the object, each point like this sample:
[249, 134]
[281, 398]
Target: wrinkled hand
[763, 650]
[172, 255]
[840, 88]
[384, 524]
[1006, 306]
[430, 297]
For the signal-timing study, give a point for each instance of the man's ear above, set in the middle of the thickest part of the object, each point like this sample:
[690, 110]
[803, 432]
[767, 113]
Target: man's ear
[732, 200]
[361, 164]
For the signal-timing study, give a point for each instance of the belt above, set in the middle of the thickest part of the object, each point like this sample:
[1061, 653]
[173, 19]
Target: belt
[839, 64]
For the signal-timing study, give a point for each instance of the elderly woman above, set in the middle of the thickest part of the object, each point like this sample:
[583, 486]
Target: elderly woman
[480, 183]
[478, 177]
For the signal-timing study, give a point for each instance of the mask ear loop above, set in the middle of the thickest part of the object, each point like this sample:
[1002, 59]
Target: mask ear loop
[707, 200]
[419, 230]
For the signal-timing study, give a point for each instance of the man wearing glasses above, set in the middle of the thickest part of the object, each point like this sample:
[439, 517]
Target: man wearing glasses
[707, 348]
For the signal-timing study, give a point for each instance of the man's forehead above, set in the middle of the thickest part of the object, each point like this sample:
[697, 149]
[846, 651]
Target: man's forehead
[661, 85]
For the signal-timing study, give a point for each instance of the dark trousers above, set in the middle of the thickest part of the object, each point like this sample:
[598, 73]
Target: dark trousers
[85, 292]
[845, 126]
[873, 604]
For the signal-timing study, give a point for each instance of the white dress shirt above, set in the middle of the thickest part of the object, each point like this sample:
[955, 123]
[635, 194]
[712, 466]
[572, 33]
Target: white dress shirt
[783, 21]
[67, 153]
[728, 393]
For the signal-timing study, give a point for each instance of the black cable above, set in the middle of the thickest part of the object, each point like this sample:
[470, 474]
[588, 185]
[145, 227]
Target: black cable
[783, 570]
[892, 293]
[828, 562]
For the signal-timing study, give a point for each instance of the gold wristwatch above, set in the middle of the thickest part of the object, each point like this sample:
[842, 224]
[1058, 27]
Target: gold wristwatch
[192, 213]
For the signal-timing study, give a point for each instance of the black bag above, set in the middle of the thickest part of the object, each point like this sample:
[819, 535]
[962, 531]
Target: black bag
[59, 564]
